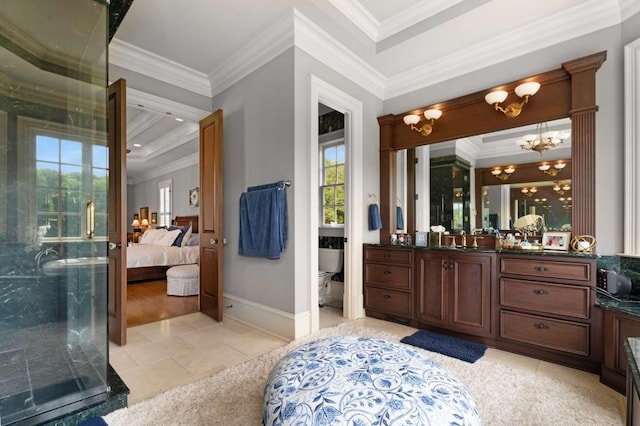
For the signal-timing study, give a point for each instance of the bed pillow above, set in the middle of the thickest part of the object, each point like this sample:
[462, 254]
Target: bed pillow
[151, 235]
[193, 241]
[185, 233]
[167, 238]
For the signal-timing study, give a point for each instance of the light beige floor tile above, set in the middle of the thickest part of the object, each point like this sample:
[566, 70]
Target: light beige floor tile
[121, 361]
[255, 343]
[196, 320]
[210, 357]
[163, 329]
[139, 386]
[151, 352]
[166, 374]
[206, 336]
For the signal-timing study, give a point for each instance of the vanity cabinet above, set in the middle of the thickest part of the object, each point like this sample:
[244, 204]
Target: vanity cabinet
[617, 328]
[547, 309]
[453, 291]
[388, 283]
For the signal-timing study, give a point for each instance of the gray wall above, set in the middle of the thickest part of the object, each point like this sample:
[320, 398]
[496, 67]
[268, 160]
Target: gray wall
[145, 194]
[258, 149]
[305, 66]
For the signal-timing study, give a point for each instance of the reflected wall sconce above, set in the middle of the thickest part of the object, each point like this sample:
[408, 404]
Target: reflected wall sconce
[144, 224]
[425, 130]
[503, 174]
[561, 188]
[524, 90]
[529, 191]
[136, 222]
[557, 168]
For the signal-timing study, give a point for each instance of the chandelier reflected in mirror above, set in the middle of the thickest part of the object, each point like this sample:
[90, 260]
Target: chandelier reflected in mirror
[542, 139]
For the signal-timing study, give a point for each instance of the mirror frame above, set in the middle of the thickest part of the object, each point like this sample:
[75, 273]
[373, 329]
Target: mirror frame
[569, 91]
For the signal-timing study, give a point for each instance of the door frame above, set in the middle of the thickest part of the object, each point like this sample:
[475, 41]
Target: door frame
[352, 108]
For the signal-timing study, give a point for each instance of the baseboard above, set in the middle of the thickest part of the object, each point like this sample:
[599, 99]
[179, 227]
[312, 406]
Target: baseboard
[275, 321]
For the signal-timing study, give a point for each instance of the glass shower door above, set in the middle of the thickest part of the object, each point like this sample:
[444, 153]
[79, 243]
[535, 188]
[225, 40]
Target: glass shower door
[53, 208]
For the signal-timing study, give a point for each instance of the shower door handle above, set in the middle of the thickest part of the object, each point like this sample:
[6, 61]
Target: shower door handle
[113, 246]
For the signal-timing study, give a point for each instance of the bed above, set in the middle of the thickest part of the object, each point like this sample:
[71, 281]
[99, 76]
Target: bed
[149, 262]
[350, 380]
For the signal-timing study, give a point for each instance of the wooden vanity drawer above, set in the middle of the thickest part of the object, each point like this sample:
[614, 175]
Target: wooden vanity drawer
[550, 333]
[396, 256]
[545, 268]
[559, 299]
[396, 277]
[393, 302]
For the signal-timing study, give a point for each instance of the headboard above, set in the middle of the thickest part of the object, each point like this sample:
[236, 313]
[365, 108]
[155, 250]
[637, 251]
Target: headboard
[187, 220]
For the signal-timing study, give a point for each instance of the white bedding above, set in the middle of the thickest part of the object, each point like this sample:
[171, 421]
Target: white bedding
[140, 255]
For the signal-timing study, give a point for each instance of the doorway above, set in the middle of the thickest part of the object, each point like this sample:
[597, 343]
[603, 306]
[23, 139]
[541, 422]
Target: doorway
[325, 94]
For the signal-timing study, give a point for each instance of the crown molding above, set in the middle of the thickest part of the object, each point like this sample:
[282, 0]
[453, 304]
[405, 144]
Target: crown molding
[310, 38]
[359, 16]
[628, 8]
[417, 13]
[133, 58]
[163, 105]
[178, 136]
[268, 45]
[138, 125]
[174, 166]
[580, 20]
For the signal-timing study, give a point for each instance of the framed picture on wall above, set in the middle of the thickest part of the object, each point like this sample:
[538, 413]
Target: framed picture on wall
[144, 213]
[556, 240]
[154, 217]
[194, 196]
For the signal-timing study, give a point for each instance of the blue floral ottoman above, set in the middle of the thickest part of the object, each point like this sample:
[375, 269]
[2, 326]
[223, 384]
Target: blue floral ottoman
[363, 381]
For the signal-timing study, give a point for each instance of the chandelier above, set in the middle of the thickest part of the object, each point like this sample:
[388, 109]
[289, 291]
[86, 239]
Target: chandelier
[541, 141]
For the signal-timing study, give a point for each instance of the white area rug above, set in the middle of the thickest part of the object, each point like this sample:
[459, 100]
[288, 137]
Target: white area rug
[504, 395]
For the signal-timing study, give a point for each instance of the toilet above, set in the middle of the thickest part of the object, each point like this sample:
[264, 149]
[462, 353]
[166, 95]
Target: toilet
[329, 263]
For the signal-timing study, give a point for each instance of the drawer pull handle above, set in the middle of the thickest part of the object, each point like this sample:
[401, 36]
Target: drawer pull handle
[540, 268]
[386, 296]
[387, 255]
[541, 326]
[387, 272]
[540, 291]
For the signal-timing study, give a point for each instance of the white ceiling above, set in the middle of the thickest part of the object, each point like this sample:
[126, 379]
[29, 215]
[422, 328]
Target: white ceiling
[397, 45]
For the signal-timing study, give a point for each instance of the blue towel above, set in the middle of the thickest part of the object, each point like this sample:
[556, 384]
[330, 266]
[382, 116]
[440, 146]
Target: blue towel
[399, 218]
[263, 221]
[374, 217]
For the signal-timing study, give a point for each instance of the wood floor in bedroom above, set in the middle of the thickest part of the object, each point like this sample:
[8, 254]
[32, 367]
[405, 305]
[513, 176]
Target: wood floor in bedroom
[148, 302]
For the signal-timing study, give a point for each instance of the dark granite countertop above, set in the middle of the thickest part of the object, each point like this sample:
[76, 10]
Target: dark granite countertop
[632, 349]
[629, 307]
[490, 250]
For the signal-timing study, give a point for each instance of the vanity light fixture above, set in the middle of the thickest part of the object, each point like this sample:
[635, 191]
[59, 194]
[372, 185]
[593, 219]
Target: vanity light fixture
[503, 174]
[541, 141]
[561, 188]
[425, 130]
[524, 90]
[557, 168]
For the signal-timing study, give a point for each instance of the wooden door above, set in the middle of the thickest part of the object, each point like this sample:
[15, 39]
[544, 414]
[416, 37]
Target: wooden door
[431, 291]
[211, 215]
[117, 132]
[470, 283]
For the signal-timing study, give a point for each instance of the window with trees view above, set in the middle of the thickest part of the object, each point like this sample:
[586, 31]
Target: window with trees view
[69, 173]
[332, 188]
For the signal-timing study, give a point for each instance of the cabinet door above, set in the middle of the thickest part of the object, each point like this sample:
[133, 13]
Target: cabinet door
[470, 281]
[431, 290]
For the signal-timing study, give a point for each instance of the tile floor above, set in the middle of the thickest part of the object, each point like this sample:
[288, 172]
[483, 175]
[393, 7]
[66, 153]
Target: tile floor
[177, 351]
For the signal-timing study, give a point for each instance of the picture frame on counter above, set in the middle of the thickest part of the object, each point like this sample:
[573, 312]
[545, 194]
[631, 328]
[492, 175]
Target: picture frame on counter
[556, 240]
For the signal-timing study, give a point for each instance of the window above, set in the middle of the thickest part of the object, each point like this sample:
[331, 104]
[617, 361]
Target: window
[63, 185]
[164, 210]
[332, 189]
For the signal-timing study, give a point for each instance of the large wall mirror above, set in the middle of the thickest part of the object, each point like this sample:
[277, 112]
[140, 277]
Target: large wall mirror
[463, 186]
[471, 140]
